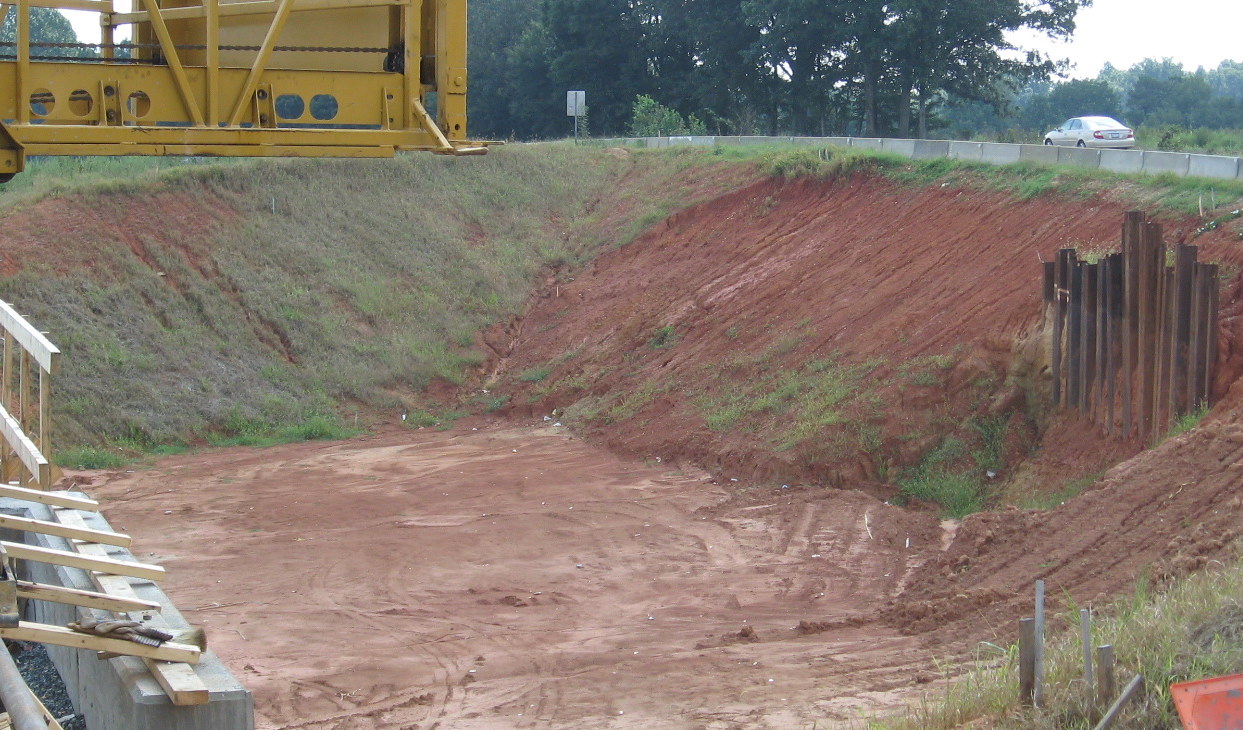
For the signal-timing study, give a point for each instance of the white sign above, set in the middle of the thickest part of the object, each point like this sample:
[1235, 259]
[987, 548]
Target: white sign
[575, 103]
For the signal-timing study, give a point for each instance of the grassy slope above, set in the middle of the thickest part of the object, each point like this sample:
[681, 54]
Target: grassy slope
[316, 284]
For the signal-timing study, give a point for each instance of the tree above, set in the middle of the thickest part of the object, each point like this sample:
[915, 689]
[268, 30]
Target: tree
[650, 118]
[47, 25]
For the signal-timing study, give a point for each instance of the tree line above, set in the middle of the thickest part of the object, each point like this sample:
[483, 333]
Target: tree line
[1153, 93]
[750, 66]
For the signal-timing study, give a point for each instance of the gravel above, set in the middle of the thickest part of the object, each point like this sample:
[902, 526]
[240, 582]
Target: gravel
[42, 677]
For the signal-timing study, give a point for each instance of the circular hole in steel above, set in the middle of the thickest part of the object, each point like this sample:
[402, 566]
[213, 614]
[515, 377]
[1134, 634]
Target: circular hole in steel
[42, 102]
[81, 102]
[138, 104]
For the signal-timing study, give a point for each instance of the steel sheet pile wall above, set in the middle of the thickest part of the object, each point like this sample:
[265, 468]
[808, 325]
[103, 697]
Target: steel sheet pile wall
[1134, 340]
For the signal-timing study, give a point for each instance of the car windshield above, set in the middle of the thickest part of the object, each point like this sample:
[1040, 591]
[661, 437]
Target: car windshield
[1102, 123]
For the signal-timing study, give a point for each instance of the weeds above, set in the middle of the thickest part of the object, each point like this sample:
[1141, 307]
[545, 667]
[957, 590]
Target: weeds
[1192, 631]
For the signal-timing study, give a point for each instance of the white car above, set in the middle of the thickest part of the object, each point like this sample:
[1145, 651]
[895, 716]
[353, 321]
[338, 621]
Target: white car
[1092, 132]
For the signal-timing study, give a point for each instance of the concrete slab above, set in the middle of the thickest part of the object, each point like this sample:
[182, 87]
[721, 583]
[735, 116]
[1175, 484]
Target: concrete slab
[999, 154]
[1122, 161]
[120, 694]
[930, 149]
[1159, 162]
[969, 151]
[1078, 156]
[836, 141]
[1215, 166]
[866, 143]
[1044, 154]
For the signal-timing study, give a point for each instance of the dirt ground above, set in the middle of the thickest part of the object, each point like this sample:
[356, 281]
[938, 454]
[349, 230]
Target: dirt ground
[517, 577]
[510, 575]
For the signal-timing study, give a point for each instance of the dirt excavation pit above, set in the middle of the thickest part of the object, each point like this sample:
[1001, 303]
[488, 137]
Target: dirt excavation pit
[515, 577]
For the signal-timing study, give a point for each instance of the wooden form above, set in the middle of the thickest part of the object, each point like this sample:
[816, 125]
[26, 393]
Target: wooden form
[78, 559]
[27, 365]
[55, 499]
[61, 636]
[1134, 340]
[178, 679]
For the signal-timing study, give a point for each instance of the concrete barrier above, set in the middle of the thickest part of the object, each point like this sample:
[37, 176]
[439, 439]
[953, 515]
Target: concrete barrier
[1078, 156]
[1043, 154]
[1122, 161]
[999, 154]
[1156, 163]
[969, 151]
[121, 694]
[931, 149]
[1224, 168]
[866, 143]
[904, 147]
[1118, 161]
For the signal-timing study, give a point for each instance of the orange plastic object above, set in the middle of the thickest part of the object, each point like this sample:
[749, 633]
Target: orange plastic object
[1210, 704]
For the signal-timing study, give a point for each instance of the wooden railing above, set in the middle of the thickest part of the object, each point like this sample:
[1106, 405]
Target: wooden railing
[29, 361]
[1134, 340]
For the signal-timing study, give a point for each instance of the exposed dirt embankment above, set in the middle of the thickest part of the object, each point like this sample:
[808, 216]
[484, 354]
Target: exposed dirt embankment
[921, 302]
[926, 302]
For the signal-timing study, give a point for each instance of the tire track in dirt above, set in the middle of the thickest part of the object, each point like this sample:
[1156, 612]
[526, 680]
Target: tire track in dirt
[518, 578]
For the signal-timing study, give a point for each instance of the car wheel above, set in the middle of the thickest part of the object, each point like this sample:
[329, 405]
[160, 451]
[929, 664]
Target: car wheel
[1081, 143]
[1048, 142]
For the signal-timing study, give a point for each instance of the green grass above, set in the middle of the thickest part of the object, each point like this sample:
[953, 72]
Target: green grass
[294, 293]
[1072, 488]
[1192, 631]
[535, 375]
[1187, 421]
[91, 457]
[664, 338]
[242, 431]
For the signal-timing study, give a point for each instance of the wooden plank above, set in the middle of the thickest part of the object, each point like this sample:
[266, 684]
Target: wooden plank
[1210, 360]
[1180, 331]
[1130, 314]
[34, 460]
[1105, 687]
[179, 681]
[1161, 366]
[1027, 661]
[1087, 382]
[31, 339]
[1111, 715]
[69, 533]
[87, 599]
[61, 636]
[1199, 334]
[1060, 283]
[56, 499]
[78, 560]
[1074, 336]
[1148, 254]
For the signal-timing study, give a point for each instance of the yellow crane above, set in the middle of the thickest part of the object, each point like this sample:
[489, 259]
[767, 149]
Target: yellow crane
[241, 78]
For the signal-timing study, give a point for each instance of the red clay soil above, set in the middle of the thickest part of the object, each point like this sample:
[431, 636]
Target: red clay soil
[515, 576]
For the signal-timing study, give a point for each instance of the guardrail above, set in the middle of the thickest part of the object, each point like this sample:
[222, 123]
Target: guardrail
[1182, 164]
[26, 402]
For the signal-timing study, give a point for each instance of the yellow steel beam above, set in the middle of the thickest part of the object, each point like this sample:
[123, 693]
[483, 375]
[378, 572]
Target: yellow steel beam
[95, 6]
[412, 17]
[12, 153]
[22, 67]
[213, 61]
[174, 62]
[261, 61]
[262, 7]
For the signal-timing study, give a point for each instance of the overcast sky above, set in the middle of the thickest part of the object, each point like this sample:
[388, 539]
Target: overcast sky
[1122, 32]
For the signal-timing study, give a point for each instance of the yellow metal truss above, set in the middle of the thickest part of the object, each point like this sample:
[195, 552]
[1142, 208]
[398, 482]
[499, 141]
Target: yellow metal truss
[242, 78]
